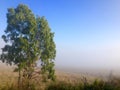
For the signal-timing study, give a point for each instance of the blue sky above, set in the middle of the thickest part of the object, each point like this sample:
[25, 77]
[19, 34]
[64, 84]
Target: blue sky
[87, 32]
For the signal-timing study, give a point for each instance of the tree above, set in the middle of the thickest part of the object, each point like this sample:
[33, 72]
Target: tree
[28, 39]
[47, 46]
[21, 48]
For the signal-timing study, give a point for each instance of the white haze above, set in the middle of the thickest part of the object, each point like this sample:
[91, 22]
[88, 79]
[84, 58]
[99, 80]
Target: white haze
[89, 57]
[103, 56]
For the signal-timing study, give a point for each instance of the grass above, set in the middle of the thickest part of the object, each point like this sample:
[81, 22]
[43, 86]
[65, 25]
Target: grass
[64, 81]
[95, 85]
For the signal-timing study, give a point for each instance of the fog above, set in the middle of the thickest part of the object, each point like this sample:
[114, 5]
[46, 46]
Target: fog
[90, 58]
[103, 56]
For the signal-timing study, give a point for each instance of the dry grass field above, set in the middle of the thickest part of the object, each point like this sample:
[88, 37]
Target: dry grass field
[8, 77]
[64, 81]
[7, 74]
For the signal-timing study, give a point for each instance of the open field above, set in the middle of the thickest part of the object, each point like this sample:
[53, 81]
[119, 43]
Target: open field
[65, 80]
[7, 74]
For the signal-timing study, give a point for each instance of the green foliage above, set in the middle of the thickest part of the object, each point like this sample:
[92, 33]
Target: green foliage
[19, 34]
[28, 39]
[47, 45]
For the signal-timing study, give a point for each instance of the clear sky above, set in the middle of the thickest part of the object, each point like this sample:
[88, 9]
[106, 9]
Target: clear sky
[87, 32]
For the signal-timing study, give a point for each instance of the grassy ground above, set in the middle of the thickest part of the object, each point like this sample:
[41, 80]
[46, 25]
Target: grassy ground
[64, 81]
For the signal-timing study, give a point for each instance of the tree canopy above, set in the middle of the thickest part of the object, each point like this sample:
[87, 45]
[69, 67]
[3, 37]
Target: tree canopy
[47, 45]
[28, 39]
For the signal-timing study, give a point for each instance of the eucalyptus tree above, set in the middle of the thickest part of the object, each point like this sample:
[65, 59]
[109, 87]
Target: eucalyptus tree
[28, 39]
[20, 48]
[48, 48]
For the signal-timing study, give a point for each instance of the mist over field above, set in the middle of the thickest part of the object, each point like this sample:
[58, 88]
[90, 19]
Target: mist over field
[92, 60]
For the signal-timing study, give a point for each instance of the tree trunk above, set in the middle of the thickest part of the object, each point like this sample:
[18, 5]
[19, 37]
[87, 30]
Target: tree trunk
[19, 79]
